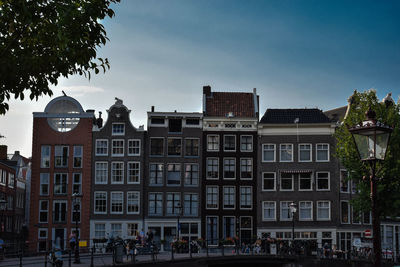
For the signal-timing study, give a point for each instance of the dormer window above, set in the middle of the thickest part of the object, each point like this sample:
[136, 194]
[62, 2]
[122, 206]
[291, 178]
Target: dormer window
[192, 121]
[157, 120]
[118, 128]
[175, 125]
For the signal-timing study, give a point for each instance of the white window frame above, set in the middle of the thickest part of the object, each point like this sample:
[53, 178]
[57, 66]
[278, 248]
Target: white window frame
[217, 201]
[251, 198]
[329, 211]
[218, 169]
[348, 212]
[234, 197]
[44, 175]
[113, 201]
[280, 152]
[268, 190]
[62, 174]
[348, 182]
[107, 147]
[311, 182]
[198, 147]
[280, 182]
[77, 183]
[299, 154]
[94, 202]
[122, 172]
[230, 135]
[263, 208]
[316, 152]
[280, 211]
[129, 169]
[117, 133]
[133, 141]
[96, 169]
[329, 181]
[352, 216]
[181, 148]
[127, 202]
[252, 144]
[252, 168]
[75, 155]
[217, 227]
[45, 158]
[191, 175]
[218, 142]
[262, 152]
[234, 170]
[40, 210]
[155, 203]
[311, 208]
[57, 201]
[191, 202]
[79, 202]
[167, 172]
[156, 172]
[122, 146]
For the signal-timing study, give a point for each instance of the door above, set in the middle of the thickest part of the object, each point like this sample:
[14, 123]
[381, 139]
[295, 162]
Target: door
[59, 237]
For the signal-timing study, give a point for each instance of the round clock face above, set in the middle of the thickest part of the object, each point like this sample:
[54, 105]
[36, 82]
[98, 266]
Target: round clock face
[62, 111]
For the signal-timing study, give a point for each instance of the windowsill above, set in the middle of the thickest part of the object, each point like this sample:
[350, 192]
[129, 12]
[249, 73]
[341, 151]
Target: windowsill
[212, 208]
[101, 155]
[189, 185]
[174, 156]
[117, 155]
[246, 208]
[217, 150]
[305, 190]
[305, 220]
[156, 185]
[99, 213]
[156, 156]
[305, 160]
[234, 150]
[286, 190]
[234, 178]
[286, 161]
[324, 220]
[246, 151]
[251, 178]
[322, 160]
[117, 182]
[323, 190]
[268, 190]
[191, 157]
[269, 220]
[100, 183]
[268, 161]
[133, 182]
[134, 155]
[208, 178]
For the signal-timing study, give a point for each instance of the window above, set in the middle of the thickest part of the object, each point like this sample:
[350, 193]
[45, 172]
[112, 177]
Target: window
[323, 183]
[156, 173]
[116, 229]
[175, 125]
[43, 211]
[229, 168]
[323, 210]
[174, 204]
[99, 230]
[11, 180]
[305, 211]
[286, 182]
[285, 211]
[60, 183]
[42, 239]
[268, 181]
[174, 146]
[133, 172]
[212, 168]
[133, 147]
[117, 172]
[356, 215]
[76, 212]
[10, 202]
[286, 152]
[3, 178]
[45, 159]
[344, 182]
[117, 202]
[78, 151]
[101, 172]
[59, 211]
[190, 204]
[344, 212]
[118, 147]
[229, 197]
[132, 229]
[100, 202]
[156, 146]
[101, 147]
[212, 197]
[118, 129]
[229, 227]
[269, 211]
[305, 182]
[322, 152]
[77, 183]
[246, 168]
[305, 152]
[155, 204]
[173, 174]
[61, 156]
[192, 121]
[132, 202]
[212, 142]
[191, 174]
[191, 147]
[212, 230]
[246, 143]
[157, 120]
[229, 142]
[268, 152]
[367, 217]
[246, 197]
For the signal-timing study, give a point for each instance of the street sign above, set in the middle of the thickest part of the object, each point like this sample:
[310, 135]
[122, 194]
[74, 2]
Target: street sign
[357, 242]
[367, 233]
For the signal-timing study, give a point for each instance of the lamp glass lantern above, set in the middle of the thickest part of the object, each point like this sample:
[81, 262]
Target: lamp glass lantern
[293, 208]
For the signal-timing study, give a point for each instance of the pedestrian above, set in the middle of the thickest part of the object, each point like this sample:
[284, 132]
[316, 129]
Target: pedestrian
[72, 241]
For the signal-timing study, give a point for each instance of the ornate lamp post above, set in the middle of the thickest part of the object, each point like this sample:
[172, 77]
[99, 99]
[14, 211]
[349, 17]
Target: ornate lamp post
[76, 202]
[178, 207]
[372, 138]
[293, 210]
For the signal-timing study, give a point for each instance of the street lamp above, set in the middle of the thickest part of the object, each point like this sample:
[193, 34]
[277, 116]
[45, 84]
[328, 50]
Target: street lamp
[293, 210]
[372, 138]
[178, 207]
[76, 202]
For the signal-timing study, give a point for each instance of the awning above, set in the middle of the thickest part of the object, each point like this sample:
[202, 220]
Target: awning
[296, 171]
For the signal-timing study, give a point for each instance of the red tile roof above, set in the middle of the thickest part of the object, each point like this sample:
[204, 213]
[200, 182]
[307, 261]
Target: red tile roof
[219, 104]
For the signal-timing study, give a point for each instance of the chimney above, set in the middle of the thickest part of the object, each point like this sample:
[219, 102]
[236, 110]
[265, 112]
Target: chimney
[152, 108]
[3, 152]
[16, 153]
[99, 121]
[207, 90]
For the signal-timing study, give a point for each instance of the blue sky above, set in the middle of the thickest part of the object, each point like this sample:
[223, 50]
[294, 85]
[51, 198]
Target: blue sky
[296, 53]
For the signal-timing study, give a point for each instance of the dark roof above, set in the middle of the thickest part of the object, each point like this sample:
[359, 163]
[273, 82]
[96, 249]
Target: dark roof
[219, 104]
[336, 114]
[307, 115]
[9, 163]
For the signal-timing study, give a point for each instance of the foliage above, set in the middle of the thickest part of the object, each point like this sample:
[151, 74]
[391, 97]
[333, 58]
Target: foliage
[41, 40]
[389, 169]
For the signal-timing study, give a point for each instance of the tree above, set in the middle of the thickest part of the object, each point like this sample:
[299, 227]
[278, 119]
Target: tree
[389, 169]
[41, 40]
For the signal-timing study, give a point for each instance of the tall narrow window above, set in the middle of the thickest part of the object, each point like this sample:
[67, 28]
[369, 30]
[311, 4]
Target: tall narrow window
[286, 182]
[174, 146]
[78, 151]
[117, 172]
[100, 230]
[133, 175]
[132, 202]
[246, 168]
[286, 152]
[173, 174]
[323, 210]
[191, 174]
[269, 211]
[268, 152]
[305, 182]
[322, 152]
[212, 142]
[344, 212]
[285, 211]
[246, 143]
[156, 146]
[117, 202]
[229, 227]
[212, 168]
[61, 156]
[44, 184]
[101, 147]
[45, 159]
[101, 172]
[268, 182]
[229, 197]
[100, 202]
[305, 211]
[174, 204]
[156, 174]
[212, 230]
[43, 211]
[229, 142]
[246, 197]
[134, 147]
[190, 204]
[175, 125]
[118, 147]
[60, 183]
[344, 182]
[304, 152]
[59, 211]
[192, 147]
[212, 197]
[76, 212]
[323, 181]
[229, 168]
[155, 204]
[77, 183]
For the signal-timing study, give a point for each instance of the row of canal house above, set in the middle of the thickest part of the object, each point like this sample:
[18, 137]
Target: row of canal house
[221, 173]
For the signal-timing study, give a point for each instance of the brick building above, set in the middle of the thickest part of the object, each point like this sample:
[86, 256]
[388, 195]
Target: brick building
[61, 166]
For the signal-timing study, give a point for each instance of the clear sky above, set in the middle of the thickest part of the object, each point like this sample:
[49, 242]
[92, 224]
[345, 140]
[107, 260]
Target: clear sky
[296, 53]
